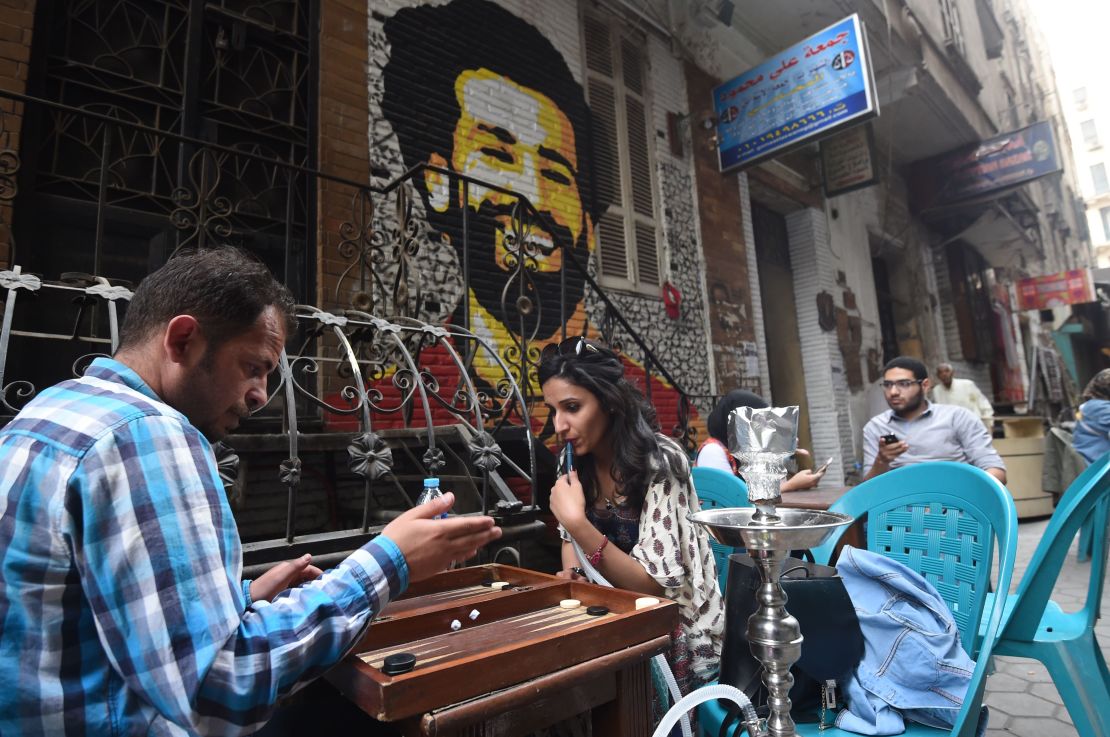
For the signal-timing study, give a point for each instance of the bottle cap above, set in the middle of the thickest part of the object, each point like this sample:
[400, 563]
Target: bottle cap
[431, 482]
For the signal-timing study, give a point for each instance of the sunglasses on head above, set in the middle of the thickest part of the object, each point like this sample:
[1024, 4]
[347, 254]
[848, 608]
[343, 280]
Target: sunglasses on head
[575, 346]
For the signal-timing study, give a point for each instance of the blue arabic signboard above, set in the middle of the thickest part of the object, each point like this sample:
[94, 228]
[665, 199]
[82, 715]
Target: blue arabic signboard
[809, 90]
[980, 169]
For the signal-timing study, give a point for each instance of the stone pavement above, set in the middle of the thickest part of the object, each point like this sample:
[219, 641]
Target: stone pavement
[1021, 696]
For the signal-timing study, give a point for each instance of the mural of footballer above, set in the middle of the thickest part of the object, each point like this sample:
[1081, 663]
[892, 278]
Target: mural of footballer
[496, 101]
[475, 90]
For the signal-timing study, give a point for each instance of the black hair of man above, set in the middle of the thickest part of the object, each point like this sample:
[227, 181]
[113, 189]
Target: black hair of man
[430, 46]
[224, 288]
[910, 364]
[717, 422]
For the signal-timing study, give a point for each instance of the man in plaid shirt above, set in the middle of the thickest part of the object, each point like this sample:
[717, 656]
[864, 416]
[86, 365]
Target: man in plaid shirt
[121, 606]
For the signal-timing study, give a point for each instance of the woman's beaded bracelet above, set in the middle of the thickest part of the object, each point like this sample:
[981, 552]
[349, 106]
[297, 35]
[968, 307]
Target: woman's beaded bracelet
[595, 557]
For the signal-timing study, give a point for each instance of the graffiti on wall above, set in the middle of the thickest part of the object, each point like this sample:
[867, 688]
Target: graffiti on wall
[468, 88]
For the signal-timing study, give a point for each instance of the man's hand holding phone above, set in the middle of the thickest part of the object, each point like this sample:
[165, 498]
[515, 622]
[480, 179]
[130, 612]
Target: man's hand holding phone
[890, 447]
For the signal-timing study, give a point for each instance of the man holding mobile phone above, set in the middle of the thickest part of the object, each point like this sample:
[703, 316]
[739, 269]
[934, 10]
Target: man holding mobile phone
[915, 430]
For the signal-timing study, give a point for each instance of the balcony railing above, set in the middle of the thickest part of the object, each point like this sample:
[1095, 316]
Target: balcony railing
[391, 361]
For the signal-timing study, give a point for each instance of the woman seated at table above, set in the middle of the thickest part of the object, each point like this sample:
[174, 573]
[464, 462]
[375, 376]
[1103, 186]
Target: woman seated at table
[627, 499]
[1092, 425]
[713, 453]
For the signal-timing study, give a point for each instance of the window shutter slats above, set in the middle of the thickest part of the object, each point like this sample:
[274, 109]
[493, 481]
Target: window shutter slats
[599, 51]
[627, 246]
[638, 160]
[632, 66]
[647, 255]
[610, 245]
[607, 167]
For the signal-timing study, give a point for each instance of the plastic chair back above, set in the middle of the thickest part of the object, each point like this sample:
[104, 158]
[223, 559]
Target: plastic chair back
[720, 489]
[940, 519]
[944, 521]
[1087, 497]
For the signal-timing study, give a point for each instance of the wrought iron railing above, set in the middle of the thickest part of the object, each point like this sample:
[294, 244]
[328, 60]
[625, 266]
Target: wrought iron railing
[392, 342]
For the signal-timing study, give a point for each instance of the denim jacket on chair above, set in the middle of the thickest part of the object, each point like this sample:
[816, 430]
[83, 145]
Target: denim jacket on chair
[913, 666]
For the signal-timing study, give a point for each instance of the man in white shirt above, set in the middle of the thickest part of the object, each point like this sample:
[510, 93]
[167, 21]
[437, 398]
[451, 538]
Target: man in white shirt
[962, 393]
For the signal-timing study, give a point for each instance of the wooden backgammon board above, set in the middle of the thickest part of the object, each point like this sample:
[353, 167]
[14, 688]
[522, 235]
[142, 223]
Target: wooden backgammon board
[482, 652]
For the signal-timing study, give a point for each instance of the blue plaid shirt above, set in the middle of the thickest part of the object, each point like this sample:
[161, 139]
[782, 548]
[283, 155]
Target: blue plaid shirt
[121, 606]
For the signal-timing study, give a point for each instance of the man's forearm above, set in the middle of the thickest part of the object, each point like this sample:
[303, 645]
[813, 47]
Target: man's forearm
[877, 468]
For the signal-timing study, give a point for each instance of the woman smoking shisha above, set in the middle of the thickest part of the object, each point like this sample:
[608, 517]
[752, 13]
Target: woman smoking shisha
[626, 499]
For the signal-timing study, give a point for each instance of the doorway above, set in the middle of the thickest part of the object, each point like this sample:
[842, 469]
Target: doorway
[780, 316]
[885, 298]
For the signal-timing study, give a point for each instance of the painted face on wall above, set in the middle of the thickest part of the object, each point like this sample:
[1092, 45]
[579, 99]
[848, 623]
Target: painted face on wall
[525, 144]
[532, 151]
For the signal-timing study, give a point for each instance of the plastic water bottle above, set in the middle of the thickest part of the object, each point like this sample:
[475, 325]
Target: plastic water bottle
[430, 492]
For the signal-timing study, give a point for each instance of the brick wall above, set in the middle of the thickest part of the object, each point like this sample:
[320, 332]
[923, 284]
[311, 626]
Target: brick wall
[16, 22]
[753, 281]
[344, 145]
[405, 63]
[729, 282]
[434, 110]
[814, 268]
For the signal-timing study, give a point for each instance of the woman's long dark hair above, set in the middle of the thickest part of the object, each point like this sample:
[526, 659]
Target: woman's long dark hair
[632, 421]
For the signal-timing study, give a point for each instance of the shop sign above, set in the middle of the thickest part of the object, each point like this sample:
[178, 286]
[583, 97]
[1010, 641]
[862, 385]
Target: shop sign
[816, 87]
[848, 161]
[1056, 290]
[998, 163]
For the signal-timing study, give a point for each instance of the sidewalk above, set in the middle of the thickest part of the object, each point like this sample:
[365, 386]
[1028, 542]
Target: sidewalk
[1021, 696]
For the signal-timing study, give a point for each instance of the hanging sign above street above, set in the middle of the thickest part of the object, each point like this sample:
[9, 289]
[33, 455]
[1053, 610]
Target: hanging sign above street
[808, 91]
[1056, 290]
[982, 170]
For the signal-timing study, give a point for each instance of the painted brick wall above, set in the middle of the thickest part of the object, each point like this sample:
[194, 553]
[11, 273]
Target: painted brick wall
[728, 279]
[344, 147]
[16, 23]
[827, 392]
[753, 271]
[682, 342]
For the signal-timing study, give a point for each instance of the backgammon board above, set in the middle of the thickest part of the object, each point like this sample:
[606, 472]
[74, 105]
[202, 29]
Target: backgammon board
[471, 639]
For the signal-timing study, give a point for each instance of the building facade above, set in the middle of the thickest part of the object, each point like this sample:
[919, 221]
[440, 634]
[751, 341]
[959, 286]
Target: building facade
[600, 114]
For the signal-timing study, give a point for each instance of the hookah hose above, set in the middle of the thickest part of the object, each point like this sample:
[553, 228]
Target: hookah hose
[659, 660]
[683, 704]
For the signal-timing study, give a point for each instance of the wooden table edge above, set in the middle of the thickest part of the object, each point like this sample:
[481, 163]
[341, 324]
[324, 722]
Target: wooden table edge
[458, 716]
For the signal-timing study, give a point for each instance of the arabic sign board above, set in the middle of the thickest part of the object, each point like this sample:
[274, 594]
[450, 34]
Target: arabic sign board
[998, 163]
[1056, 290]
[809, 90]
[848, 161]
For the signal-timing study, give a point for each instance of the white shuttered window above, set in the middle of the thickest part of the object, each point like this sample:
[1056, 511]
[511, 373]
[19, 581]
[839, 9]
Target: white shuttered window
[616, 87]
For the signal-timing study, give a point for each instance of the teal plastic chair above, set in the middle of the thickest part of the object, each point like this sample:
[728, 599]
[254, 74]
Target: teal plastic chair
[1036, 627]
[943, 520]
[720, 489]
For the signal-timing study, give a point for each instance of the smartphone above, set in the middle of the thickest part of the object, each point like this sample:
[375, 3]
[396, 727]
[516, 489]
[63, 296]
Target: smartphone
[888, 439]
[824, 466]
[568, 461]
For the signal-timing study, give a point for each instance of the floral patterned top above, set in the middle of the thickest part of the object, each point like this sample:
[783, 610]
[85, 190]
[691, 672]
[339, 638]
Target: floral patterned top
[676, 553]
